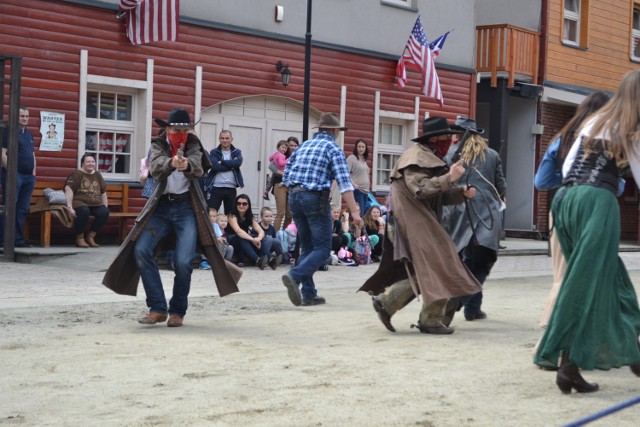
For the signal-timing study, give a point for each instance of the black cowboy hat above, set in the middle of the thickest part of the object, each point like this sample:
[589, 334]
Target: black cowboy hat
[330, 121]
[436, 126]
[177, 118]
[469, 124]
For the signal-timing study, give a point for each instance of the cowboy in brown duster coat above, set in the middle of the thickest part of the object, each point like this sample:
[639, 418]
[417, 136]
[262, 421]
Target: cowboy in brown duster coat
[419, 257]
[124, 274]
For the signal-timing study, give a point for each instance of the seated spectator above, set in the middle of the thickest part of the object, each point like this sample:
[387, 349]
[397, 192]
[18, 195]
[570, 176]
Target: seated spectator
[223, 244]
[266, 222]
[288, 238]
[247, 238]
[338, 239]
[86, 194]
[374, 226]
[348, 227]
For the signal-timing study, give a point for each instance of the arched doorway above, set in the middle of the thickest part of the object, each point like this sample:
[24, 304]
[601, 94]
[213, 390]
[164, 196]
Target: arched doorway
[257, 124]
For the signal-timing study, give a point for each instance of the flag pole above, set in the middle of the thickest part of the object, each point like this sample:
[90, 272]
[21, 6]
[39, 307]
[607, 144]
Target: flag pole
[307, 75]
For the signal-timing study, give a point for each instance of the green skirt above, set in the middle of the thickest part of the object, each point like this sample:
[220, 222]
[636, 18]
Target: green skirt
[596, 317]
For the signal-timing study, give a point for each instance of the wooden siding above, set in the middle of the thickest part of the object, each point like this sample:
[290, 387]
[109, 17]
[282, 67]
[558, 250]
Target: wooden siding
[604, 59]
[49, 35]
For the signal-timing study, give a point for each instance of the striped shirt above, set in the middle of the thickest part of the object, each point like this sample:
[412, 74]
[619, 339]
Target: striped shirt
[316, 163]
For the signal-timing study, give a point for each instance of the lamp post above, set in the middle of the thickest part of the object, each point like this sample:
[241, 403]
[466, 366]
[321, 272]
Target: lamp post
[307, 75]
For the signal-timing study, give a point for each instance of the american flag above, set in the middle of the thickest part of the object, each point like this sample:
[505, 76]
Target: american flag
[151, 20]
[418, 54]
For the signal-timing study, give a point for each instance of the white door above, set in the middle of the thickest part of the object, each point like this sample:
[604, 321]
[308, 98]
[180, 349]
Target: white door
[276, 131]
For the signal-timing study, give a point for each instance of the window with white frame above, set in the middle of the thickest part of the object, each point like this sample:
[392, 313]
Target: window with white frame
[635, 33]
[409, 4]
[571, 22]
[390, 146]
[110, 130]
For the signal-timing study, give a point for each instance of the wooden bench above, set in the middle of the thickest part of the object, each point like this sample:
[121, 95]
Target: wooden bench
[117, 195]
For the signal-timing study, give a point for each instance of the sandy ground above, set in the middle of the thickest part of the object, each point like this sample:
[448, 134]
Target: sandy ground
[255, 359]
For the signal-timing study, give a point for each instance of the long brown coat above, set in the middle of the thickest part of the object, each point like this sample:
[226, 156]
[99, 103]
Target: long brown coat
[123, 275]
[419, 189]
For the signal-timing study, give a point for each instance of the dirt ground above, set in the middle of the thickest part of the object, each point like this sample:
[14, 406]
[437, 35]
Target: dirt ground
[255, 359]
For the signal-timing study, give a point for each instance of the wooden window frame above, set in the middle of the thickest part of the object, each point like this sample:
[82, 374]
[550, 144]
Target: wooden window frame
[635, 32]
[582, 20]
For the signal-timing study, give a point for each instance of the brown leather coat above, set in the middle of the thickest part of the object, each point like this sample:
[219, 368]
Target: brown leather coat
[417, 242]
[123, 276]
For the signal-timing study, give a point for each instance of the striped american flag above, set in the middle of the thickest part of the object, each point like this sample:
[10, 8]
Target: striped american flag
[417, 54]
[149, 21]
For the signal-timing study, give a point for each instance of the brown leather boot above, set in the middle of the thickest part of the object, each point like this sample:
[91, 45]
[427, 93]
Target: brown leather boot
[90, 239]
[569, 377]
[80, 241]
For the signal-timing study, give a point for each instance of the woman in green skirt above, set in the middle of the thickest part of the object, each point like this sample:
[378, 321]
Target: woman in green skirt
[595, 323]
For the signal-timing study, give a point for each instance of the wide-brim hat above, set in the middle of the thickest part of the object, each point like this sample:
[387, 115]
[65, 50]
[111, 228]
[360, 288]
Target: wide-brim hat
[330, 121]
[469, 124]
[177, 118]
[436, 126]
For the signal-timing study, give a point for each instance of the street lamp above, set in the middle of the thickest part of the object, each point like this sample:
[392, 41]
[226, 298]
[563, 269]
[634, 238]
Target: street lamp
[284, 71]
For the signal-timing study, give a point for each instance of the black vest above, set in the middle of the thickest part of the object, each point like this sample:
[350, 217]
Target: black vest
[597, 169]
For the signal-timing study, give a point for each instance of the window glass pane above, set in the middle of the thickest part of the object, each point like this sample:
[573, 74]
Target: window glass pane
[572, 5]
[570, 30]
[636, 18]
[91, 141]
[124, 107]
[390, 134]
[636, 47]
[107, 105]
[92, 105]
[386, 162]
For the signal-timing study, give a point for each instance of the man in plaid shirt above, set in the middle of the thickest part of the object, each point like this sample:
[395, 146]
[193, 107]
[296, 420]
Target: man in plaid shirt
[309, 174]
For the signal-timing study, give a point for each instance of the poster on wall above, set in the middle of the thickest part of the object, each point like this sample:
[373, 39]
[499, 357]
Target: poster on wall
[52, 131]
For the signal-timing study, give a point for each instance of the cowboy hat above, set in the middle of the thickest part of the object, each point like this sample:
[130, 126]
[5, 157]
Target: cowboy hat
[469, 124]
[177, 118]
[330, 121]
[436, 126]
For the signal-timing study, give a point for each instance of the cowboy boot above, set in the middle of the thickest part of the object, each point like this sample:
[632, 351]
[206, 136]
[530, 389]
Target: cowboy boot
[90, 239]
[80, 241]
[569, 377]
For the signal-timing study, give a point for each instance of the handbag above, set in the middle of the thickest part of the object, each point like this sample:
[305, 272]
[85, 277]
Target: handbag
[362, 249]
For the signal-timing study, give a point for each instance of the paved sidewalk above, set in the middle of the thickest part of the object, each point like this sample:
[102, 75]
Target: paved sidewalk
[67, 275]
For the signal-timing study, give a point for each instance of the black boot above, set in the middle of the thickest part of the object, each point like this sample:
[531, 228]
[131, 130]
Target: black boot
[569, 377]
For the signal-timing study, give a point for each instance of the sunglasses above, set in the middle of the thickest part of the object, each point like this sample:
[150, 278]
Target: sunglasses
[242, 204]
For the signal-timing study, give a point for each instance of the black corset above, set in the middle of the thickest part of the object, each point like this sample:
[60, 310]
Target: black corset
[597, 169]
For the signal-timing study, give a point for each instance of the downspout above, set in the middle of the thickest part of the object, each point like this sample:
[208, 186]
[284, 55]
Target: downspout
[542, 74]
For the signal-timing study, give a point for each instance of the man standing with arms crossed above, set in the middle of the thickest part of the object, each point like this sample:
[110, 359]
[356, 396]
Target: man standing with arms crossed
[225, 174]
[25, 178]
[309, 174]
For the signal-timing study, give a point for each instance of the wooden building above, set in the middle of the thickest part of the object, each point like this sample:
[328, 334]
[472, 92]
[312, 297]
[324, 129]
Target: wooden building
[77, 61]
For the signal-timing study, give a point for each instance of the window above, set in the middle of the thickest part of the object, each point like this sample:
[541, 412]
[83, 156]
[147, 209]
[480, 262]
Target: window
[391, 137]
[406, 4]
[571, 25]
[635, 33]
[110, 130]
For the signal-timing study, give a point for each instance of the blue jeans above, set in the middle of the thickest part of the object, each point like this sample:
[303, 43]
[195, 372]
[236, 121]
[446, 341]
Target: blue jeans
[312, 217]
[180, 218]
[24, 188]
[362, 199]
[244, 249]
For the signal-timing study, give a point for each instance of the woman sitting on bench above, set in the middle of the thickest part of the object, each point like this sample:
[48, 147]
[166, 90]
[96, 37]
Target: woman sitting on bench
[86, 194]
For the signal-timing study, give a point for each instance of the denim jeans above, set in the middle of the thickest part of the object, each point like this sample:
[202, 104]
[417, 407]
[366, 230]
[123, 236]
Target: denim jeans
[314, 231]
[244, 249]
[362, 199]
[100, 214]
[24, 188]
[168, 216]
[479, 263]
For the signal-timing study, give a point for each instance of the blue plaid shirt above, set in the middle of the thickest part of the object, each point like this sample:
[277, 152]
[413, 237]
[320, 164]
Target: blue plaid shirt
[316, 163]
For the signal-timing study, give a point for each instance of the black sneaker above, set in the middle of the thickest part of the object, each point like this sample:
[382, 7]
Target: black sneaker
[313, 301]
[275, 261]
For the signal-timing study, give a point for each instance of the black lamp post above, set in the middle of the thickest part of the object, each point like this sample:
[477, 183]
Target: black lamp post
[307, 75]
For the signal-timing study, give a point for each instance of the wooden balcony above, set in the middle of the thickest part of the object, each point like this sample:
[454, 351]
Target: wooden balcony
[507, 50]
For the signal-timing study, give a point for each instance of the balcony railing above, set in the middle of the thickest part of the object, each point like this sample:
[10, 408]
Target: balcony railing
[507, 49]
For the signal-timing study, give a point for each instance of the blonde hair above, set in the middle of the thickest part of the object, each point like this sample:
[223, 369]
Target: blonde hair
[618, 121]
[223, 216]
[474, 148]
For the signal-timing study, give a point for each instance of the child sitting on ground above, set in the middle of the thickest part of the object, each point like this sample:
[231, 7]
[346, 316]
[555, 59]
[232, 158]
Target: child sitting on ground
[266, 222]
[279, 161]
[220, 223]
